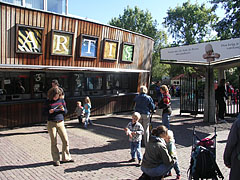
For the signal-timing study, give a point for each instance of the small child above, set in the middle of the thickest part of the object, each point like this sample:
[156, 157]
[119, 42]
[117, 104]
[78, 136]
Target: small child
[173, 153]
[135, 131]
[87, 110]
[79, 110]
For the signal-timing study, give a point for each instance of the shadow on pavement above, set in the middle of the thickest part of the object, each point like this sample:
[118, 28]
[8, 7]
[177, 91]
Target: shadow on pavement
[97, 166]
[11, 167]
[22, 133]
[112, 146]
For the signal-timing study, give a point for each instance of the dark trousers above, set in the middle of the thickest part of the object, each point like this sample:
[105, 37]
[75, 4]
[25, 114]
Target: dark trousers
[222, 109]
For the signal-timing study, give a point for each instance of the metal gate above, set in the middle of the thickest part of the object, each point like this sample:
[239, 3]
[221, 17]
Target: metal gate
[191, 96]
[232, 104]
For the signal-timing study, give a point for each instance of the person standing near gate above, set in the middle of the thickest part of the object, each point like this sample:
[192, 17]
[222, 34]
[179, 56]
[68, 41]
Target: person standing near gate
[144, 105]
[220, 96]
[165, 104]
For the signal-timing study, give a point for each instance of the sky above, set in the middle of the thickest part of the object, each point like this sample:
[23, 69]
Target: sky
[103, 11]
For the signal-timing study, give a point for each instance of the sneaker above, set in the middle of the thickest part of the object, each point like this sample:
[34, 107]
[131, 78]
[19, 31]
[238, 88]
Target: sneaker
[57, 163]
[139, 163]
[132, 160]
[168, 174]
[178, 177]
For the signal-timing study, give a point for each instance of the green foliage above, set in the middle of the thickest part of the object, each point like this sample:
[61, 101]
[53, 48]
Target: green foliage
[229, 26]
[190, 23]
[136, 20]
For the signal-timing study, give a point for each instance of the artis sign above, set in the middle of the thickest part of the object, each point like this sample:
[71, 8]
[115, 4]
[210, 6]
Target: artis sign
[30, 40]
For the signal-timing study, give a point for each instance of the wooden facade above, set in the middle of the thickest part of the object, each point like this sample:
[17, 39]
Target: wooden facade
[28, 111]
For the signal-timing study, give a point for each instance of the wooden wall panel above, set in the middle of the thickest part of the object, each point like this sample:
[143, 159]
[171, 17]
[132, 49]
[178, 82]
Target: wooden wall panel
[11, 15]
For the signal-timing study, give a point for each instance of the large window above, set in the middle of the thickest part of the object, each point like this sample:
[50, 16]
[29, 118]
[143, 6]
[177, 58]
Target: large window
[34, 85]
[16, 86]
[57, 6]
[36, 4]
[17, 2]
[79, 84]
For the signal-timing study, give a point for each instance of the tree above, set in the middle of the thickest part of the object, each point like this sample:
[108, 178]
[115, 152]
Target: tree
[229, 26]
[190, 23]
[142, 22]
[136, 20]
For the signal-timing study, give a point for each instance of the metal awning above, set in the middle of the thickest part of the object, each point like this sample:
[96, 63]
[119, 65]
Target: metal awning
[67, 68]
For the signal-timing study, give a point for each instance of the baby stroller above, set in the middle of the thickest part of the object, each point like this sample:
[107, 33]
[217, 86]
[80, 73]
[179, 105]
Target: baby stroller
[203, 159]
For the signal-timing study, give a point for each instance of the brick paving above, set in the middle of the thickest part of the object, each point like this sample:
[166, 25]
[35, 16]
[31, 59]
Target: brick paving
[101, 151]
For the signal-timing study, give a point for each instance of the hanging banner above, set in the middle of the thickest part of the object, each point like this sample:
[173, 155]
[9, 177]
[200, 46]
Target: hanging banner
[203, 52]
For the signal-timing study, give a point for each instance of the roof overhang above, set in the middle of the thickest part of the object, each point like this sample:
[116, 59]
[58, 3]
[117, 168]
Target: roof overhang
[67, 68]
[224, 63]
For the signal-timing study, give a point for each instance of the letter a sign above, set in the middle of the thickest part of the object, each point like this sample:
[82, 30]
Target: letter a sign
[29, 40]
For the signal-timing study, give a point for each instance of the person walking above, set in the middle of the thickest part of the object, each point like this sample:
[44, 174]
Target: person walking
[87, 110]
[55, 108]
[165, 105]
[231, 154]
[144, 105]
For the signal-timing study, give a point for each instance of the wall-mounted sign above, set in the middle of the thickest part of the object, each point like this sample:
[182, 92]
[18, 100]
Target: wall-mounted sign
[127, 52]
[61, 43]
[110, 49]
[29, 39]
[89, 46]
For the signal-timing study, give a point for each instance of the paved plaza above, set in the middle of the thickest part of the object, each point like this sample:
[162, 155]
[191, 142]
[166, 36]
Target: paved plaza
[101, 151]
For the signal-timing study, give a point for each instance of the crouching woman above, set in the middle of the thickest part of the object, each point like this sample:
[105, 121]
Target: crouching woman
[156, 160]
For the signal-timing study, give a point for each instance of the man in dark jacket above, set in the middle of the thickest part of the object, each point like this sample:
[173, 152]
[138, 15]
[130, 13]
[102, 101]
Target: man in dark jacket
[144, 105]
[232, 151]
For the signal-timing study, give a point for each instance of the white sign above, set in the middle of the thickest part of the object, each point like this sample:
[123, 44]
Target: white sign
[203, 52]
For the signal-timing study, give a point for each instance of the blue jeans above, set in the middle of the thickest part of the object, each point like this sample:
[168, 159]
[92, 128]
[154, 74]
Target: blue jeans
[87, 120]
[136, 148]
[165, 119]
[157, 171]
[176, 168]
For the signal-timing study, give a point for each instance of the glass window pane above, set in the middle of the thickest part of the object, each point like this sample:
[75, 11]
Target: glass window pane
[17, 2]
[57, 6]
[37, 4]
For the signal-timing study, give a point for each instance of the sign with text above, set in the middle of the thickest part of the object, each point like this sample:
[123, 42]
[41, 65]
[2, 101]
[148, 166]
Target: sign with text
[110, 49]
[89, 46]
[29, 39]
[203, 52]
[61, 43]
[127, 52]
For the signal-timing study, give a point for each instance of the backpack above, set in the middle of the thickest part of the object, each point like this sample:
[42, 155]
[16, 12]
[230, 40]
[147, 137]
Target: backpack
[203, 164]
